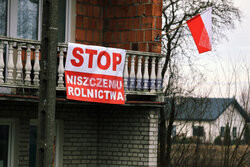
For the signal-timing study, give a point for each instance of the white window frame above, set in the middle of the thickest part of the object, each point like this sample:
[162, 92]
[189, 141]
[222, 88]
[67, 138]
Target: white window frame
[68, 20]
[59, 140]
[12, 13]
[11, 142]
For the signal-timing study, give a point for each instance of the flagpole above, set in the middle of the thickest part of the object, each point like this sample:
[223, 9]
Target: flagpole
[157, 38]
[188, 20]
[175, 28]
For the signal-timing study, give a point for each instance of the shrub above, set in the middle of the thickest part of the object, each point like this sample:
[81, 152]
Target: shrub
[217, 140]
[186, 140]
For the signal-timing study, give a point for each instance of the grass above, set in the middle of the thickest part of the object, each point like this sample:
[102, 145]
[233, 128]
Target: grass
[207, 155]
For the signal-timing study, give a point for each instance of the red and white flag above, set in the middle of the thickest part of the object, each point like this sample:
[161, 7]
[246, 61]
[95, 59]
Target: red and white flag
[201, 30]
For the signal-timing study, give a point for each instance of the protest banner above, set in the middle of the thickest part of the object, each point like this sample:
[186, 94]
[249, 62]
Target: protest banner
[95, 74]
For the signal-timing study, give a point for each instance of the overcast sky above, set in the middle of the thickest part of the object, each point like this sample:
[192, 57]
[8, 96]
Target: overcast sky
[229, 59]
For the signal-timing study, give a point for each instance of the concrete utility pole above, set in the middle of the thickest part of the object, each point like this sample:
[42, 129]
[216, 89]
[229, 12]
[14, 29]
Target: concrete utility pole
[47, 91]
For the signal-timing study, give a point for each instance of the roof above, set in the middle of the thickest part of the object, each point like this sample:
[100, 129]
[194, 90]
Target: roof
[203, 109]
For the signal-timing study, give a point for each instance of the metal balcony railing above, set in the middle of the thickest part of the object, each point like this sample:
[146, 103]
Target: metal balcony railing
[19, 67]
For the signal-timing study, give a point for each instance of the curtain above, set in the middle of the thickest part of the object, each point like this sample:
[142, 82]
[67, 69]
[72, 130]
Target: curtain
[3, 17]
[27, 24]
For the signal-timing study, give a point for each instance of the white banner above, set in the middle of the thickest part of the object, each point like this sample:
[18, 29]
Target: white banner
[94, 73]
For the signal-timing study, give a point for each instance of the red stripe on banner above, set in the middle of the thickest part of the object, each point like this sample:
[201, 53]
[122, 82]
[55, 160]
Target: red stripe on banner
[94, 87]
[199, 34]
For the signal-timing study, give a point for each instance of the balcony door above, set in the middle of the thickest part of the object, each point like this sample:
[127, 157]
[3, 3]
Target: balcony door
[23, 19]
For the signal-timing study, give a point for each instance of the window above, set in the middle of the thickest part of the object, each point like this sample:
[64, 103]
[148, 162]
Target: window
[222, 131]
[32, 148]
[3, 17]
[174, 130]
[23, 19]
[234, 132]
[198, 131]
[20, 18]
[33, 139]
[6, 143]
[61, 20]
[27, 20]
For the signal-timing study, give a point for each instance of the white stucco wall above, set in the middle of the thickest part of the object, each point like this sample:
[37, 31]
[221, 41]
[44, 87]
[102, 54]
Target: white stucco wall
[184, 128]
[212, 128]
[233, 118]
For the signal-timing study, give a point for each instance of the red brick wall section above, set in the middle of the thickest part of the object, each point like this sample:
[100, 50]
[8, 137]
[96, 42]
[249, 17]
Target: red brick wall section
[89, 22]
[127, 24]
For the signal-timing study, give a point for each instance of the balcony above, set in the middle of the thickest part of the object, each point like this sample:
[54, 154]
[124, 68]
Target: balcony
[19, 68]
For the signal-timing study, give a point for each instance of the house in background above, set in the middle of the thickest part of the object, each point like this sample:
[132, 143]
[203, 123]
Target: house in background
[87, 134]
[207, 118]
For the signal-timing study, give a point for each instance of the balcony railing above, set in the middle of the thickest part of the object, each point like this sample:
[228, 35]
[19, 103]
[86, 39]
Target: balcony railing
[19, 67]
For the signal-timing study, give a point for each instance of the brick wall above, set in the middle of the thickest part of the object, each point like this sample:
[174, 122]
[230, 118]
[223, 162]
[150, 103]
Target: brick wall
[95, 135]
[153, 139]
[80, 137]
[123, 24]
[124, 138]
[110, 137]
[24, 142]
[89, 22]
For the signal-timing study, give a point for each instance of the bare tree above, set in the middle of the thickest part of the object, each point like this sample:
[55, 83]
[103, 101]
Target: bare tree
[245, 94]
[231, 150]
[176, 46]
[177, 12]
[189, 149]
[245, 99]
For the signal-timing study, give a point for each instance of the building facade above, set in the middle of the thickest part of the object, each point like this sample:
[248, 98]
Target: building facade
[87, 134]
[207, 118]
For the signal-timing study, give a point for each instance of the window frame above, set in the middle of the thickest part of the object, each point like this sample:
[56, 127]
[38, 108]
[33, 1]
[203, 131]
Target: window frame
[59, 140]
[199, 133]
[173, 132]
[11, 142]
[68, 20]
[222, 127]
[234, 132]
[12, 13]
